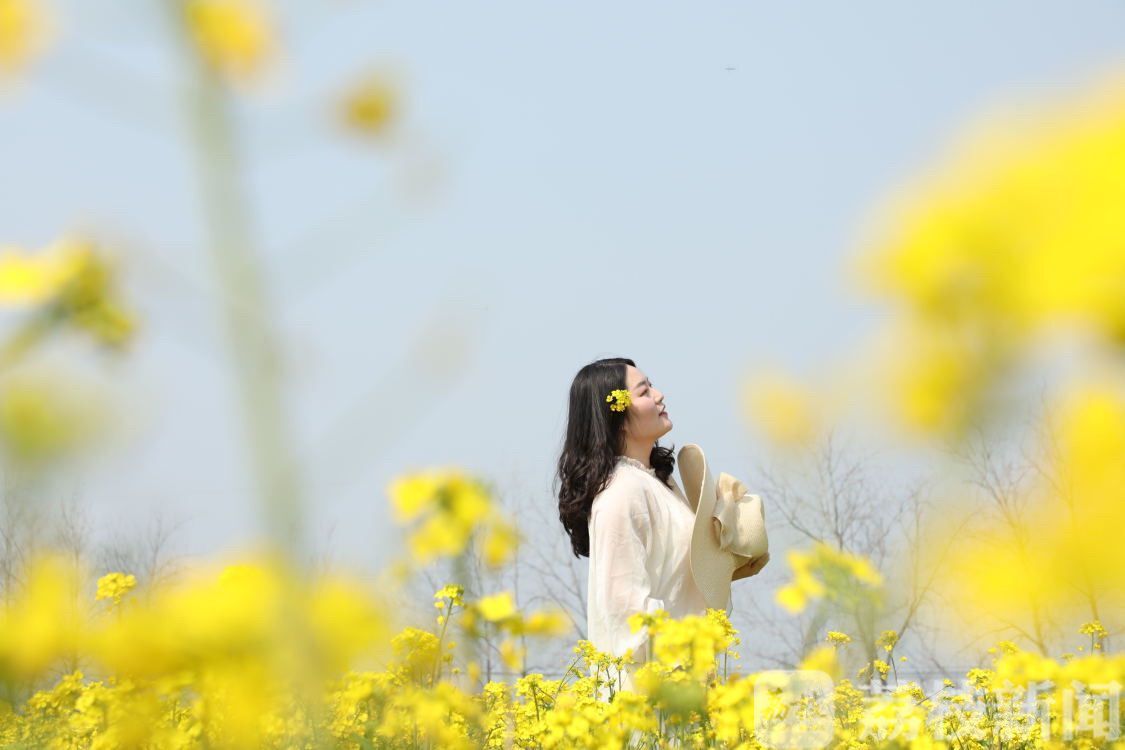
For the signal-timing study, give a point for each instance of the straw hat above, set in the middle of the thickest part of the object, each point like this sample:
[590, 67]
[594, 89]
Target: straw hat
[730, 526]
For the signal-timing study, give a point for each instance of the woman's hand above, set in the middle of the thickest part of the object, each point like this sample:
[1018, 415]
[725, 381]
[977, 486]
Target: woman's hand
[751, 568]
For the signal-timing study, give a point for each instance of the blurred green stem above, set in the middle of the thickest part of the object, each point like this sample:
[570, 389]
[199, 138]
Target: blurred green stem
[469, 646]
[253, 342]
[24, 339]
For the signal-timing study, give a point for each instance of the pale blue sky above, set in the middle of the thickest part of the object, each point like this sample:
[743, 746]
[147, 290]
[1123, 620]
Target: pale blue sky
[674, 183]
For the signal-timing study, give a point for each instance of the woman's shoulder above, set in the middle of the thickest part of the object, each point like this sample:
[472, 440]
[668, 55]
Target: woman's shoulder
[627, 491]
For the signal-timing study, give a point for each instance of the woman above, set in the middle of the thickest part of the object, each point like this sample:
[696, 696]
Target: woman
[623, 509]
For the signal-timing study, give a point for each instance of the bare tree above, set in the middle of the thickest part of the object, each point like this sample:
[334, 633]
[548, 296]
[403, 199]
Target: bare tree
[22, 528]
[829, 497]
[561, 574]
[1003, 484]
[70, 531]
[147, 555]
[1011, 483]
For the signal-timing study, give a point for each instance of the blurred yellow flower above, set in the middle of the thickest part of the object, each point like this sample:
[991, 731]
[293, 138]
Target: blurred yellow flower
[23, 32]
[41, 622]
[931, 380]
[449, 508]
[33, 278]
[500, 543]
[1073, 516]
[497, 606]
[346, 617]
[234, 37]
[792, 598]
[1017, 235]
[827, 573]
[370, 105]
[417, 653]
[72, 283]
[546, 623]
[247, 617]
[781, 408]
[411, 496]
[44, 417]
[512, 654]
[115, 586]
[824, 659]
[214, 661]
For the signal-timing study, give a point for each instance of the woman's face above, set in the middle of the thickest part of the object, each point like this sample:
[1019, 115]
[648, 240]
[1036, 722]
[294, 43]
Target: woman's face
[646, 419]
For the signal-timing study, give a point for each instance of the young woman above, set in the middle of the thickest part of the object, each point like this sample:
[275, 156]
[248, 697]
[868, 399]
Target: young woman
[622, 508]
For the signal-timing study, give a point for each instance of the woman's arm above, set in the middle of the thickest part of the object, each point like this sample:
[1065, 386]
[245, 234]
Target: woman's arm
[620, 543]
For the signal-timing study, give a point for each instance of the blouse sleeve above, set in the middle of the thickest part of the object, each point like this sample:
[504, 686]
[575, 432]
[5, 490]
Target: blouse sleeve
[620, 585]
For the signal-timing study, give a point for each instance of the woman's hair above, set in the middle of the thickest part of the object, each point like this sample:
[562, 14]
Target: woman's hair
[595, 437]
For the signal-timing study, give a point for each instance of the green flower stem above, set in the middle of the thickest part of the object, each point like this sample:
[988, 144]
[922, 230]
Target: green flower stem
[254, 345]
[468, 646]
[25, 338]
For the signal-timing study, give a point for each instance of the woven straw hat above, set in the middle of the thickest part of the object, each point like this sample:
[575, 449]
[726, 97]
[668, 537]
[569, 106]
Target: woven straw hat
[730, 526]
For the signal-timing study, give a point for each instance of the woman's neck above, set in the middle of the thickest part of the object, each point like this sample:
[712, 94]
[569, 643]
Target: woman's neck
[639, 451]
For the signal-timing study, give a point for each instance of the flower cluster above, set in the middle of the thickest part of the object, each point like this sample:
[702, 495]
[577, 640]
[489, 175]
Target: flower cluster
[498, 613]
[233, 37]
[115, 586]
[71, 283]
[369, 106]
[984, 255]
[24, 31]
[693, 643]
[831, 574]
[249, 656]
[448, 509]
[620, 398]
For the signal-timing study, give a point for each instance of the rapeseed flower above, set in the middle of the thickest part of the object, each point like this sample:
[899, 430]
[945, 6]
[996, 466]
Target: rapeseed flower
[45, 417]
[827, 573]
[369, 107]
[497, 607]
[115, 586]
[69, 283]
[988, 253]
[24, 28]
[41, 622]
[234, 38]
[824, 659]
[620, 398]
[448, 508]
[786, 412]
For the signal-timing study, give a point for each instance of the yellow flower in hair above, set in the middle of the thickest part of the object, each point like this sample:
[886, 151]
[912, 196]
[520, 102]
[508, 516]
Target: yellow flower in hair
[620, 398]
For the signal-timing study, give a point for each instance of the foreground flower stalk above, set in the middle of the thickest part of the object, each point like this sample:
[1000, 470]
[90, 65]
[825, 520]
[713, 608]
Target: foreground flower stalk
[254, 342]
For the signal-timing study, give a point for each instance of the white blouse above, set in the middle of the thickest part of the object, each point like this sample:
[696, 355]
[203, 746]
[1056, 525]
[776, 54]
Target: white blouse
[640, 536]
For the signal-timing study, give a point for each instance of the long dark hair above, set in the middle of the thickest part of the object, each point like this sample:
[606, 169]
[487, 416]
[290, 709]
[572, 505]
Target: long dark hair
[595, 437]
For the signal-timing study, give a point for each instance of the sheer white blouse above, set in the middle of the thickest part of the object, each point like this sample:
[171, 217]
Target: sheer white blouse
[640, 535]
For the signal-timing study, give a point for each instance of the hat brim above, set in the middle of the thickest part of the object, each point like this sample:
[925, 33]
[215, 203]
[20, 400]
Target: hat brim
[711, 567]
